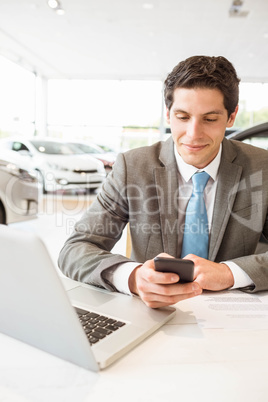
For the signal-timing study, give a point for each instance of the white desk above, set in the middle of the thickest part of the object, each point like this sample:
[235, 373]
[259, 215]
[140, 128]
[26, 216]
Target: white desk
[177, 363]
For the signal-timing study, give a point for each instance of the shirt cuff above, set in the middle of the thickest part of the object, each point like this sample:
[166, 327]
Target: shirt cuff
[120, 276]
[241, 278]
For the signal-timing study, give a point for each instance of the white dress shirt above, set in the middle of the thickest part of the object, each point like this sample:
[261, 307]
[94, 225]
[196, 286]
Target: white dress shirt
[120, 275]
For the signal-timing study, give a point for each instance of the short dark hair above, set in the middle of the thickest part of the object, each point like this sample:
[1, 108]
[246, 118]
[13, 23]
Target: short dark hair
[204, 72]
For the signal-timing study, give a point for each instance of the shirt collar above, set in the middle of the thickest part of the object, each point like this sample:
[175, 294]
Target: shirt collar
[187, 171]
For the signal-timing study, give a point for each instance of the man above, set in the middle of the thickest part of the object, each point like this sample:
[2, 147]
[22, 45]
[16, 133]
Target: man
[150, 188]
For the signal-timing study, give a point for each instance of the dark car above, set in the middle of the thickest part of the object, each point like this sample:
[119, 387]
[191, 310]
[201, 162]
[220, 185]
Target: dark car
[257, 136]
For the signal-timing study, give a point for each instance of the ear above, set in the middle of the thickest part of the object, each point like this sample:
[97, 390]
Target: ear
[232, 117]
[168, 115]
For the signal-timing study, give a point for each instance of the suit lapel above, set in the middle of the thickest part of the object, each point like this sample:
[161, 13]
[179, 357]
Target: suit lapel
[166, 180]
[228, 182]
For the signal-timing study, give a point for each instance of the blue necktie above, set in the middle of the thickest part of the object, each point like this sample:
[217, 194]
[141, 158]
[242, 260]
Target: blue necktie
[195, 238]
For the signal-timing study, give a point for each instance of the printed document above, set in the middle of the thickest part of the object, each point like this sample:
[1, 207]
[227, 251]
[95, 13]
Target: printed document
[227, 309]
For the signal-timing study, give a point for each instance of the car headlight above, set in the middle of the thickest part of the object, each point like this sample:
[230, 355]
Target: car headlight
[20, 173]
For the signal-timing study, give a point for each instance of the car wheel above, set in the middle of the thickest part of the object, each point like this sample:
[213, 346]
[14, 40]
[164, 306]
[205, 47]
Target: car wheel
[2, 214]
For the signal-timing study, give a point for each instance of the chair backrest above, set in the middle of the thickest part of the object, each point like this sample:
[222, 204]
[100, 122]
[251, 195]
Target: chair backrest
[128, 243]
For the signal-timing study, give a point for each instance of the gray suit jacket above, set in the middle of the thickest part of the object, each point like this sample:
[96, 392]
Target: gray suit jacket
[143, 190]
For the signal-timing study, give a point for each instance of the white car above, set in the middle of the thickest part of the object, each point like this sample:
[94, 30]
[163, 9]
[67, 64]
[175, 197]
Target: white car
[107, 158]
[60, 165]
[19, 190]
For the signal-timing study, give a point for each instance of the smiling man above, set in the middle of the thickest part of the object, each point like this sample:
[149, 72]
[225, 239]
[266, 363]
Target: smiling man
[198, 120]
[197, 196]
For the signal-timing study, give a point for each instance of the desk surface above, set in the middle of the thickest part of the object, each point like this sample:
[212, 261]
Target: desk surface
[179, 362]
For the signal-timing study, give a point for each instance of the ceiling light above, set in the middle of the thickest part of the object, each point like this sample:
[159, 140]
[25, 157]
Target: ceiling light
[237, 3]
[59, 11]
[236, 9]
[56, 6]
[53, 3]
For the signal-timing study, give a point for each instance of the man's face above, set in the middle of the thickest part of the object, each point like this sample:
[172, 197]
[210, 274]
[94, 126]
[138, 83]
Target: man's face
[198, 120]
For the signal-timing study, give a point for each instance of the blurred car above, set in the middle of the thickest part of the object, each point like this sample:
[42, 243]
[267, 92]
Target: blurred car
[229, 131]
[60, 166]
[107, 149]
[256, 135]
[107, 158]
[19, 190]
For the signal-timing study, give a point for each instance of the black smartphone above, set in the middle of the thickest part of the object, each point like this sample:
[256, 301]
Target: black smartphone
[184, 268]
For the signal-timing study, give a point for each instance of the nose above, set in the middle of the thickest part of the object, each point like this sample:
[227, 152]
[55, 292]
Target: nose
[194, 129]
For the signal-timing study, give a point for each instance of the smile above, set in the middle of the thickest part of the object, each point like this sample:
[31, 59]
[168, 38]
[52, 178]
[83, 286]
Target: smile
[194, 148]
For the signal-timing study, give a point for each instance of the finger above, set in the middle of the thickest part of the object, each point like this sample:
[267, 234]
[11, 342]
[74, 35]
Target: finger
[177, 290]
[167, 294]
[165, 255]
[155, 301]
[166, 285]
[150, 275]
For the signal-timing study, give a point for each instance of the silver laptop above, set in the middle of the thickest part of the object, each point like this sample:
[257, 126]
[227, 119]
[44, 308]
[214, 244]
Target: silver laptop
[84, 325]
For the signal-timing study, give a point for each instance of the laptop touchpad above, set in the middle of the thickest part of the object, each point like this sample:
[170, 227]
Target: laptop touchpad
[89, 296]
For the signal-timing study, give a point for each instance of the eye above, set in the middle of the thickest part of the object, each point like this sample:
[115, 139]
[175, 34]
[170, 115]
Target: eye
[182, 118]
[210, 120]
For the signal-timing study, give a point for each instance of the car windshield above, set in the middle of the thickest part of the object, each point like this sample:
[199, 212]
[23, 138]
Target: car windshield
[56, 148]
[260, 141]
[107, 149]
[88, 149]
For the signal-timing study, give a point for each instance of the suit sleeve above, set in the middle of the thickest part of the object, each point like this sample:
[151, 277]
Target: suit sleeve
[256, 266]
[86, 253]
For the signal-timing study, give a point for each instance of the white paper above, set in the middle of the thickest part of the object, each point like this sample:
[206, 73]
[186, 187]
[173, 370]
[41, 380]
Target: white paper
[228, 309]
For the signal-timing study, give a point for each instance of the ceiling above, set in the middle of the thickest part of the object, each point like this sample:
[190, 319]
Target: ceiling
[132, 39]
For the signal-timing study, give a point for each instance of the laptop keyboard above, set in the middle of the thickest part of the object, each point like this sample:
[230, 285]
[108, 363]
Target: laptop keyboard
[97, 326]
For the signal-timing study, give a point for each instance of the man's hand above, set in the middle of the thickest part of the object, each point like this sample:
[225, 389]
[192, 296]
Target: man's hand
[211, 275]
[158, 289]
